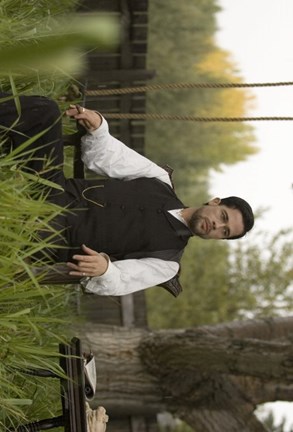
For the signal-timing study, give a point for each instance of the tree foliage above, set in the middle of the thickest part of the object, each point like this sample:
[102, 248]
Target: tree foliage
[261, 275]
[184, 32]
[221, 283]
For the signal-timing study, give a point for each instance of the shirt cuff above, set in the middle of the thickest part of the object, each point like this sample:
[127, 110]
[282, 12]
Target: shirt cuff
[104, 127]
[100, 284]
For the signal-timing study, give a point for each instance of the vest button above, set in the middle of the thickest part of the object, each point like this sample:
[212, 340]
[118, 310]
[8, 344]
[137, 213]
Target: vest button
[159, 210]
[141, 208]
[122, 207]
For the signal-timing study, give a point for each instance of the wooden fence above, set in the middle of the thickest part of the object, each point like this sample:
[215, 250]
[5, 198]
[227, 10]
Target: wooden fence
[123, 67]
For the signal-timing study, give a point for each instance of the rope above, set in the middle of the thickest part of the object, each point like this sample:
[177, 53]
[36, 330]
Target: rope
[134, 116]
[152, 87]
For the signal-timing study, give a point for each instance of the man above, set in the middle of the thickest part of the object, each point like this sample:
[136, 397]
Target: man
[125, 233]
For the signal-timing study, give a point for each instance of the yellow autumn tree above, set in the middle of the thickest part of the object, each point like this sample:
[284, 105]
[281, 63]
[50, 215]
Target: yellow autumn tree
[218, 66]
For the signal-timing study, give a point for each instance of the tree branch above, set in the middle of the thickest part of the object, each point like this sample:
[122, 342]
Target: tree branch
[210, 420]
[264, 329]
[260, 391]
[166, 352]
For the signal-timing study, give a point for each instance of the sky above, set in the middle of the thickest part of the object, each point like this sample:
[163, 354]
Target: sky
[259, 34]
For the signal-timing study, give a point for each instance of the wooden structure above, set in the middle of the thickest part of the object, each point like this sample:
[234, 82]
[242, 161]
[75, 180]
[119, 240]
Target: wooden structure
[73, 417]
[125, 66]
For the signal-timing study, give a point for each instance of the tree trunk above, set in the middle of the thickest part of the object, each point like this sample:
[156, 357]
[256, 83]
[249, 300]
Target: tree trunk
[259, 391]
[123, 384]
[210, 376]
[195, 351]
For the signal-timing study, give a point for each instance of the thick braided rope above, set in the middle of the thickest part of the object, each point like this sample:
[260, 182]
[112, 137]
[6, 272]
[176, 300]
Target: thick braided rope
[134, 116]
[173, 86]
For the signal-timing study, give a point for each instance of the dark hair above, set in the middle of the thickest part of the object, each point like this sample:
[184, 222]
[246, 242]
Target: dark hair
[245, 210]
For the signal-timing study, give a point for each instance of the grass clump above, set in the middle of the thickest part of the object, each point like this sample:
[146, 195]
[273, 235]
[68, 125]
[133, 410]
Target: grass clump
[32, 319]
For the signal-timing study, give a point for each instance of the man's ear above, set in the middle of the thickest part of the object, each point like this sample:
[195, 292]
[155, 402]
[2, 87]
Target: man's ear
[215, 201]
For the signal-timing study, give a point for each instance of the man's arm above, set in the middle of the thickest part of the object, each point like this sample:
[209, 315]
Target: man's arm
[132, 275]
[106, 155]
[120, 277]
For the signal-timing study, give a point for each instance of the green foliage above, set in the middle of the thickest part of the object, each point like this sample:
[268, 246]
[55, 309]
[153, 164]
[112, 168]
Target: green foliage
[31, 316]
[204, 279]
[184, 32]
[261, 275]
[21, 22]
[40, 45]
[224, 281]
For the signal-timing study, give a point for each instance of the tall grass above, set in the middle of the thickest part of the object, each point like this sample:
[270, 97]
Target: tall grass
[34, 42]
[33, 318]
[23, 22]
[42, 43]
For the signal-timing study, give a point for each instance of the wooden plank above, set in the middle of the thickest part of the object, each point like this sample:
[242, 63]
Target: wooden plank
[140, 309]
[138, 5]
[99, 5]
[101, 310]
[139, 33]
[118, 76]
[112, 5]
[125, 107]
[119, 424]
[104, 105]
[112, 105]
[73, 398]
[107, 61]
[140, 18]
[139, 61]
[139, 47]
[102, 61]
[137, 129]
[137, 144]
[127, 310]
[138, 424]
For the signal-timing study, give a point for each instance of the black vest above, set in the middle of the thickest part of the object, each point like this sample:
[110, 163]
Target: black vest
[125, 219]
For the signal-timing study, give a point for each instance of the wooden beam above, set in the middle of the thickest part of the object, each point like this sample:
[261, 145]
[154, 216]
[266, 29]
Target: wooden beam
[127, 310]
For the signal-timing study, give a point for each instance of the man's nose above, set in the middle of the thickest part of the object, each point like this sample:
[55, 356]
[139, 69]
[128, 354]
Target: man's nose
[217, 225]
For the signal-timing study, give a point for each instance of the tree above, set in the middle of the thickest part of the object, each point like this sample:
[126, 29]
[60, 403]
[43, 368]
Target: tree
[184, 32]
[211, 376]
[224, 281]
[260, 278]
[204, 278]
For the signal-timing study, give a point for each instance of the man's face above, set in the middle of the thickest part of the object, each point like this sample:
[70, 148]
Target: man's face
[216, 221]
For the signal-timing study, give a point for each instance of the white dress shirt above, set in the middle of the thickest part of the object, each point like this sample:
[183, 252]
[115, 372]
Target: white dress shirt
[106, 155]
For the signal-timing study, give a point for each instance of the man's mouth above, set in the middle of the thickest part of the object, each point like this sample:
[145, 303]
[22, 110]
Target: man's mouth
[206, 226]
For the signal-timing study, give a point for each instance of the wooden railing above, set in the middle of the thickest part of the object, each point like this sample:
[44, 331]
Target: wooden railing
[123, 67]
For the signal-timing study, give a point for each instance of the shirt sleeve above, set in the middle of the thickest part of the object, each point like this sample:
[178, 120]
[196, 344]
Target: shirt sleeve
[128, 276]
[106, 155]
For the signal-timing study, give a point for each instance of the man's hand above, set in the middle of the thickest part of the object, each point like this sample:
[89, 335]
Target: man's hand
[92, 264]
[89, 119]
